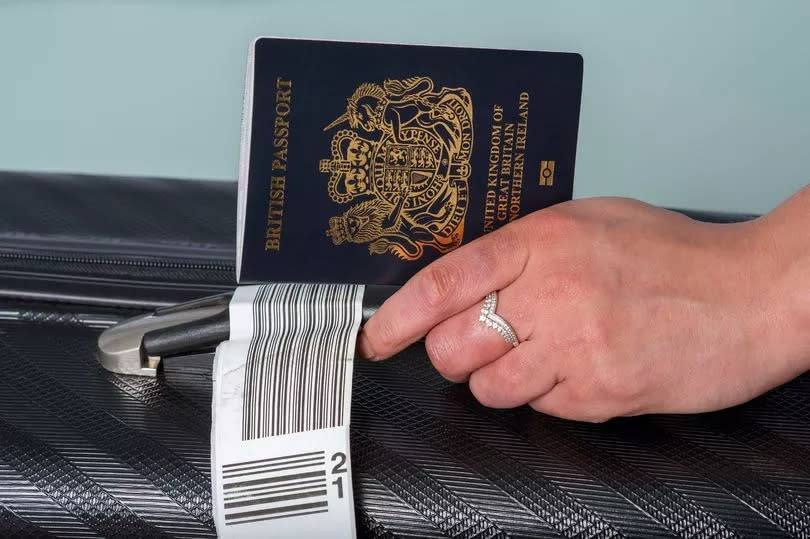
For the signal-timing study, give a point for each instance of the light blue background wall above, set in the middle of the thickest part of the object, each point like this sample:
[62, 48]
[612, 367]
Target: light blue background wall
[702, 104]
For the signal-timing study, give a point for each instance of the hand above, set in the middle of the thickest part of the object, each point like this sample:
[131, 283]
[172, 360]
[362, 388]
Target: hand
[620, 308]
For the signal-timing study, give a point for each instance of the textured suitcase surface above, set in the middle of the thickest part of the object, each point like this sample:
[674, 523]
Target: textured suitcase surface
[84, 452]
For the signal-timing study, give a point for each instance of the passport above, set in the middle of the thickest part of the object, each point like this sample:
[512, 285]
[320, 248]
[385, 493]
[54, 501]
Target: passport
[364, 162]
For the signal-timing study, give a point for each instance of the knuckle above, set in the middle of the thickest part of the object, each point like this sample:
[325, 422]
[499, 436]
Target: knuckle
[611, 386]
[614, 387]
[603, 389]
[617, 387]
[505, 241]
[484, 390]
[510, 381]
[593, 340]
[568, 283]
[580, 394]
[440, 282]
[559, 220]
[579, 277]
[443, 353]
[383, 335]
[597, 336]
[613, 379]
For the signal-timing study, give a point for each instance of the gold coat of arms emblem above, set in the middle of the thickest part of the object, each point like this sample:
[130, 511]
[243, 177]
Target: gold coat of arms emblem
[403, 163]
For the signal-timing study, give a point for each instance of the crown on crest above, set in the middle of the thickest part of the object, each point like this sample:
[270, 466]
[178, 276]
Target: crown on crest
[350, 152]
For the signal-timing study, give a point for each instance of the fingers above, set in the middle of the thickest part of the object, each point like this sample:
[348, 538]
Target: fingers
[446, 287]
[519, 376]
[462, 343]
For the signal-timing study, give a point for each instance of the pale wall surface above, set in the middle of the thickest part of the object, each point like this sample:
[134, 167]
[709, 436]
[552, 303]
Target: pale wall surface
[686, 102]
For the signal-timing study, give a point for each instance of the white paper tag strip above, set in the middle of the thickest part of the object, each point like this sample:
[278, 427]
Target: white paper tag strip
[282, 397]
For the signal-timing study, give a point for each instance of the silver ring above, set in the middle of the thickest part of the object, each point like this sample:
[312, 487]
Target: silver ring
[492, 320]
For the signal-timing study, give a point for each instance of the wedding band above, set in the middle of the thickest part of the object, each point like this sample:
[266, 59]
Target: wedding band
[492, 320]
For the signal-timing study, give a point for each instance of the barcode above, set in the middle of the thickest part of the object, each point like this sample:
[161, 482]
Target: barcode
[298, 356]
[274, 488]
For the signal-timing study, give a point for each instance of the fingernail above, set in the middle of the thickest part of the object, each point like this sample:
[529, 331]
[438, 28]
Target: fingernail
[364, 348]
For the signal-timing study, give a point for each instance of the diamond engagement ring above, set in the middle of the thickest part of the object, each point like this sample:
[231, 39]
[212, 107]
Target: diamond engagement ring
[492, 320]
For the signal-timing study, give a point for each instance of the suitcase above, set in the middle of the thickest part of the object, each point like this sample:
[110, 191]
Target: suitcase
[85, 452]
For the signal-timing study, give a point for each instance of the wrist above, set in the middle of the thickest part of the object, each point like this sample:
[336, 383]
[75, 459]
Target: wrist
[783, 268]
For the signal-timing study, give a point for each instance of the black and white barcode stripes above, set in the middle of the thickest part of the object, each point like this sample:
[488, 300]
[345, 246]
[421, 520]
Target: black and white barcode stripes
[280, 458]
[296, 369]
[275, 488]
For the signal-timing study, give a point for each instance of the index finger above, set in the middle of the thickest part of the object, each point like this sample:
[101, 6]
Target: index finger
[449, 285]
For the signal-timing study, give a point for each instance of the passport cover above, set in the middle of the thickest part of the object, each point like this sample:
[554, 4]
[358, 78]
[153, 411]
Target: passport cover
[364, 162]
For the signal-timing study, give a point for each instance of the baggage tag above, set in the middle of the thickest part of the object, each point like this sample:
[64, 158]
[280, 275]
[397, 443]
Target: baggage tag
[282, 397]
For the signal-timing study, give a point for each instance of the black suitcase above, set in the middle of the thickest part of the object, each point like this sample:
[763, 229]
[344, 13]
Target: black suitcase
[84, 452]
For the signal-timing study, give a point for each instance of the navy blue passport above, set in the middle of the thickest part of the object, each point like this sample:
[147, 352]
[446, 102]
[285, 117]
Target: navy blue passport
[364, 162]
